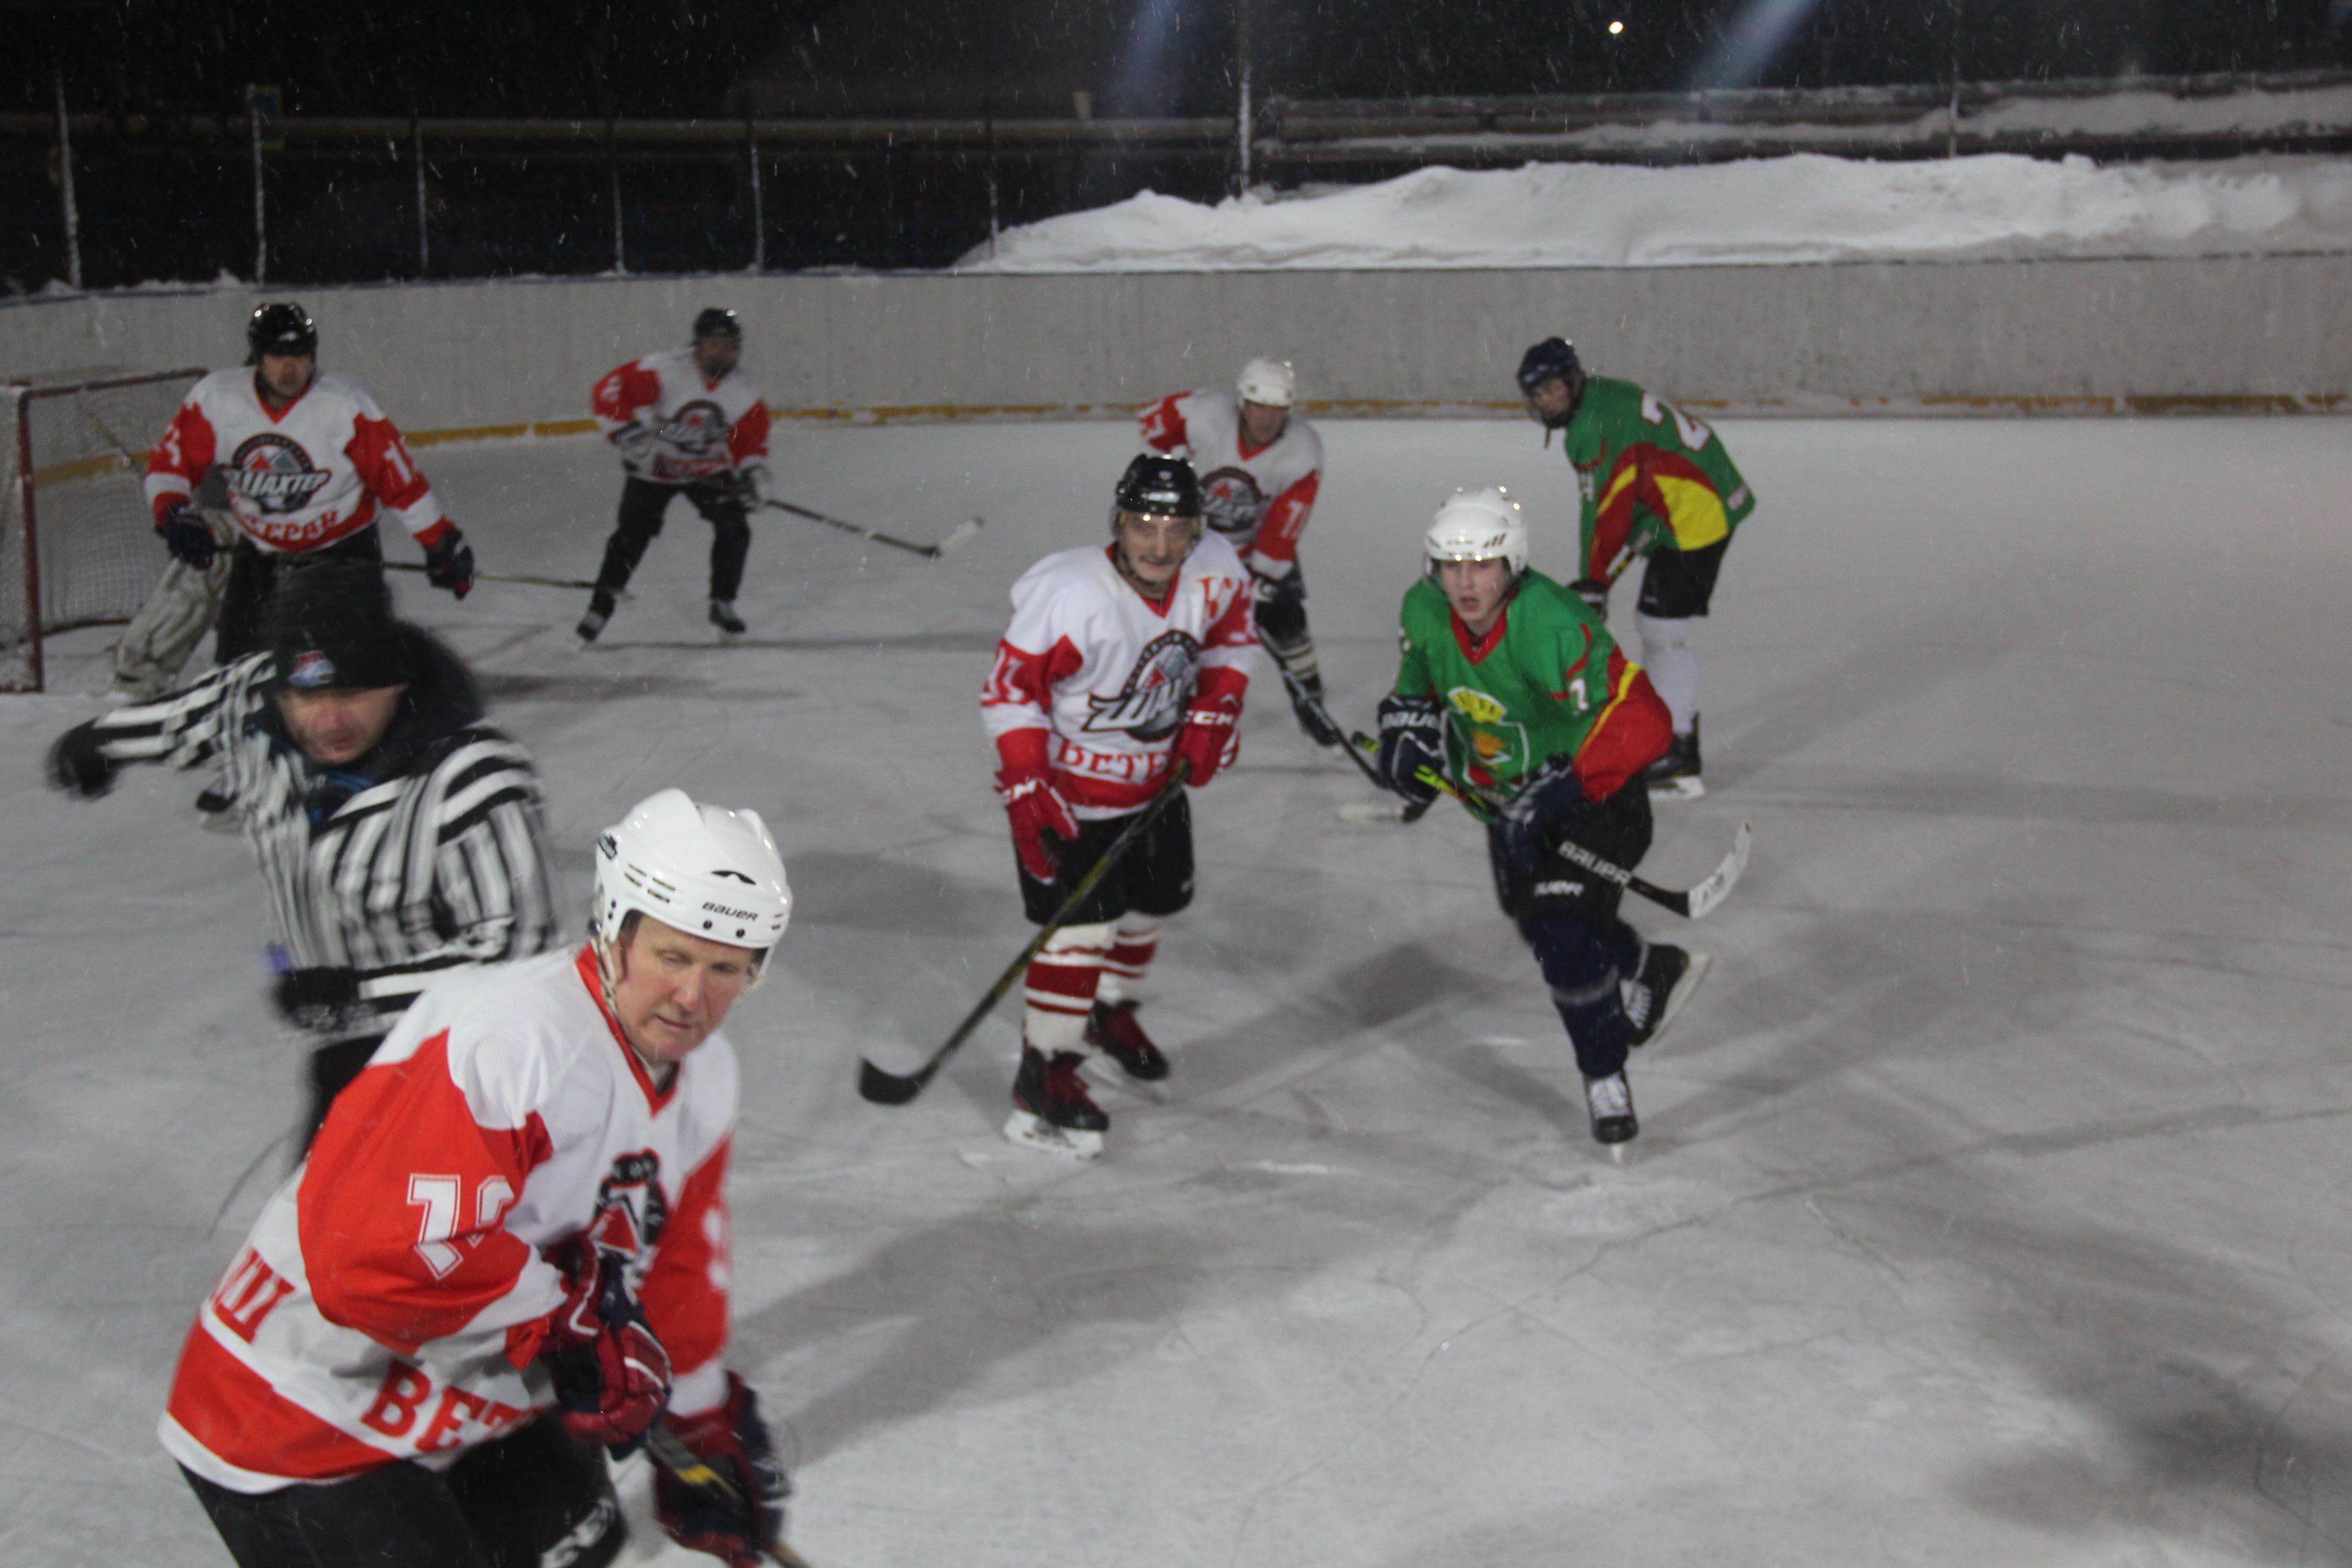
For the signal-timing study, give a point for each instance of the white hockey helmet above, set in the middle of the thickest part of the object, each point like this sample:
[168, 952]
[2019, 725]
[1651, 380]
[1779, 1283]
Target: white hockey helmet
[1478, 525]
[1269, 381]
[703, 870]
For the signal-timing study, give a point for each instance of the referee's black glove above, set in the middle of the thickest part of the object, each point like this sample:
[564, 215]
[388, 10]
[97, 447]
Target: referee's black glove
[319, 1000]
[78, 763]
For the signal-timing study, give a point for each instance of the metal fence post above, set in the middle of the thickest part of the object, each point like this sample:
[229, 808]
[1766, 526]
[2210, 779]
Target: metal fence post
[65, 185]
[612, 162]
[260, 220]
[423, 235]
[758, 222]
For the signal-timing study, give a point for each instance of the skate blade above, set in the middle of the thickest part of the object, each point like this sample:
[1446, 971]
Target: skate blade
[1033, 1131]
[1679, 998]
[1688, 787]
[1372, 811]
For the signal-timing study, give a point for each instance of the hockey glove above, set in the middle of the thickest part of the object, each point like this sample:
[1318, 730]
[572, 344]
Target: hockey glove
[77, 763]
[1412, 737]
[733, 1441]
[638, 444]
[187, 536]
[1040, 822]
[752, 485]
[1211, 738]
[448, 559]
[1594, 593]
[612, 1375]
[1545, 797]
[319, 1000]
[1285, 590]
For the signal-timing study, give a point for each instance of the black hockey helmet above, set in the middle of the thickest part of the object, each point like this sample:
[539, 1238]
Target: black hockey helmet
[1554, 359]
[282, 329]
[715, 323]
[1157, 486]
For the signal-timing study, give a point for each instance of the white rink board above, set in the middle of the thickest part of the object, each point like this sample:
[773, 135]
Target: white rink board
[1991, 1204]
[2235, 332]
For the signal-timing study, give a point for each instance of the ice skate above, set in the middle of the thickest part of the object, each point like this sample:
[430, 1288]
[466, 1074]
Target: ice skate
[1610, 1102]
[1112, 1030]
[1658, 991]
[600, 610]
[1676, 775]
[1051, 1109]
[723, 617]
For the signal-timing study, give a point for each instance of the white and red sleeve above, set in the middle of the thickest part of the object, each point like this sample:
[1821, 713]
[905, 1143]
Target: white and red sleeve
[625, 392]
[1017, 703]
[380, 459]
[401, 1207]
[747, 441]
[1163, 424]
[1286, 519]
[181, 459]
[684, 1292]
[1226, 649]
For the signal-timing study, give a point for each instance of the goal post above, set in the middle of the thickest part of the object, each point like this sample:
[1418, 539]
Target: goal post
[77, 543]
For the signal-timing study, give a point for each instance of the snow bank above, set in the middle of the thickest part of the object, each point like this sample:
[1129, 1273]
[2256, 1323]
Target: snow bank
[1801, 208]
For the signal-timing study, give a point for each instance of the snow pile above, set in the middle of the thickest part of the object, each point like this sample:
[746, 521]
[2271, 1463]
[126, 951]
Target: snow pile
[1801, 208]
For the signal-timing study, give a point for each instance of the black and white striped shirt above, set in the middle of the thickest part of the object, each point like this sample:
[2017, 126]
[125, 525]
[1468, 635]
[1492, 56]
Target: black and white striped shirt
[443, 863]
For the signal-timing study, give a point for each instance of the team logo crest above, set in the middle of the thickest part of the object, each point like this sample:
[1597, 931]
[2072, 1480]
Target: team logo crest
[312, 671]
[631, 1212]
[1475, 705]
[696, 436]
[1151, 703]
[274, 473]
[1231, 501]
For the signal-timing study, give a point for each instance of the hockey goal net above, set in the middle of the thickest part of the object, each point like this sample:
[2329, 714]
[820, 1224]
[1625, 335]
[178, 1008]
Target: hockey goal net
[77, 542]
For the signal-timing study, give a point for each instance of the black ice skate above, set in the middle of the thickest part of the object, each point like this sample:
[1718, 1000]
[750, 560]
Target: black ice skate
[1676, 775]
[1112, 1030]
[1051, 1109]
[723, 617]
[1312, 716]
[600, 610]
[1610, 1102]
[1657, 992]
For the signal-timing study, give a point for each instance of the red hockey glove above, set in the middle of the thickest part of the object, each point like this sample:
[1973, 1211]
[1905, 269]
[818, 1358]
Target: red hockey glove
[1211, 738]
[741, 1526]
[1037, 810]
[612, 1375]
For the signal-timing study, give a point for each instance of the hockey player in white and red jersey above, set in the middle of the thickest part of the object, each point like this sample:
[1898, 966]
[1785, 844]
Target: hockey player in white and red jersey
[1260, 467]
[310, 464]
[688, 421]
[1119, 662]
[509, 1247]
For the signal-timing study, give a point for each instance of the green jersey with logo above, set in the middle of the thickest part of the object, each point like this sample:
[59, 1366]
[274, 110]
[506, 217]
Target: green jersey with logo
[1546, 680]
[1648, 478]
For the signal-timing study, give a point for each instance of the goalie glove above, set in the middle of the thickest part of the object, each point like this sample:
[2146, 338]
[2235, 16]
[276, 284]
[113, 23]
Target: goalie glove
[186, 534]
[733, 1442]
[611, 1374]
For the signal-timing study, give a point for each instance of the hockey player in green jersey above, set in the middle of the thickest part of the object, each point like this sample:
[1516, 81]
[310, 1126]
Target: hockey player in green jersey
[1653, 484]
[1512, 690]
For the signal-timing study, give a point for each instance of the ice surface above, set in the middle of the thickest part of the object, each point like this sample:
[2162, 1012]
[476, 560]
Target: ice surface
[1991, 1204]
[1805, 208]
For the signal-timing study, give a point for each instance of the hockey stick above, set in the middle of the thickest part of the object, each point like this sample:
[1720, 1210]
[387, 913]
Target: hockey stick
[511, 577]
[1694, 903]
[670, 1452]
[890, 1089]
[962, 535]
[1354, 810]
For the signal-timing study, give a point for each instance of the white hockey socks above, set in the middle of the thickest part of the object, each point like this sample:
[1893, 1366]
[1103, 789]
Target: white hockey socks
[1061, 986]
[1672, 665]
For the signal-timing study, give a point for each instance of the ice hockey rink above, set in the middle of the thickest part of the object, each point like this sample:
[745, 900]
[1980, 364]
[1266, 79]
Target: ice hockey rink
[1993, 1201]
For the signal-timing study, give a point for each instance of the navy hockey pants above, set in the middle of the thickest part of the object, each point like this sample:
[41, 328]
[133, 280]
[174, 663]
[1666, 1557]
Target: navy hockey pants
[1583, 962]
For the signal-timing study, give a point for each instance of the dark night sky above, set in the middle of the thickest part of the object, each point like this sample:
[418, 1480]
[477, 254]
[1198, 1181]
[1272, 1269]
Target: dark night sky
[712, 57]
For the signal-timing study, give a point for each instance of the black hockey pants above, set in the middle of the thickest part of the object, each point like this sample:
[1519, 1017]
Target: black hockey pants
[1568, 917]
[254, 575]
[511, 1503]
[643, 504]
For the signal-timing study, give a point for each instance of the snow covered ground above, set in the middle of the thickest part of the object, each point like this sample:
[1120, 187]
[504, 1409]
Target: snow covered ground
[1805, 208]
[1992, 1202]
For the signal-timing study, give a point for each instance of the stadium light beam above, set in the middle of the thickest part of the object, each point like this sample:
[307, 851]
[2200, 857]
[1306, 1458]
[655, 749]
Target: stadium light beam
[1752, 42]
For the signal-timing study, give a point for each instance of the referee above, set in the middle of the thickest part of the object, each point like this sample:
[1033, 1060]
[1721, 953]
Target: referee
[399, 835]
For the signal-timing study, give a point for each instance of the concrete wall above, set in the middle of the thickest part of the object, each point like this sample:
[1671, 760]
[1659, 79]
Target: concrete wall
[2264, 332]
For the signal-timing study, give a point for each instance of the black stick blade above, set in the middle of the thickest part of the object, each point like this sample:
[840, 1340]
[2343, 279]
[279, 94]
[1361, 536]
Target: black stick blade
[887, 1088]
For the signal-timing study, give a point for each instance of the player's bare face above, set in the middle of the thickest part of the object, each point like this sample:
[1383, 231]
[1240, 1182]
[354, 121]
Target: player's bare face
[1262, 423]
[339, 726]
[1478, 590]
[1151, 550]
[715, 356]
[1549, 400]
[675, 989]
[284, 377]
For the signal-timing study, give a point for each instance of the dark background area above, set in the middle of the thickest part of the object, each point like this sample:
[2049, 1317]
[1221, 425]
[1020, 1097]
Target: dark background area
[164, 184]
